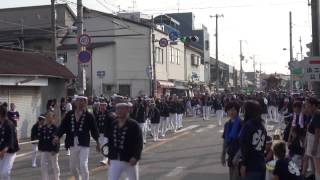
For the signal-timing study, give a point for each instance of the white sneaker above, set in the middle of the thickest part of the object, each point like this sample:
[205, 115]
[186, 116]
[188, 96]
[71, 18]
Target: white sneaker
[68, 152]
[34, 165]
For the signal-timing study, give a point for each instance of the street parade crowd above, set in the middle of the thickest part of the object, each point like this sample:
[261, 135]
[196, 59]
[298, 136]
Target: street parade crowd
[120, 126]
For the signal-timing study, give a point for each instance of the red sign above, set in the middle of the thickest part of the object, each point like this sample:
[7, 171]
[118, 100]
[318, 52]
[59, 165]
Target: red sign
[314, 62]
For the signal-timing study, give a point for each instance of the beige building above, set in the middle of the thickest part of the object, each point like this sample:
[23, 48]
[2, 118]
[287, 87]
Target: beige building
[122, 50]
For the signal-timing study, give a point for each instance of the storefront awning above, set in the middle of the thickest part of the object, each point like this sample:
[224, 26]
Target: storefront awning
[165, 84]
[180, 87]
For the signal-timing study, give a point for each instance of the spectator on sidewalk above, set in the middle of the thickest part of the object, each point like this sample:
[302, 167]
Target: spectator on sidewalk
[253, 142]
[313, 134]
[285, 169]
[13, 114]
[231, 145]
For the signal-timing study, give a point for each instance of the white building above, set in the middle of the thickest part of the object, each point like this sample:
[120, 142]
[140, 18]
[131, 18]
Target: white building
[194, 70]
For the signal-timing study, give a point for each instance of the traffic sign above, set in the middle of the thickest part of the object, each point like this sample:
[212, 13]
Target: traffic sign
[84, 56]
[101, 73]
[84, 40]
[173, 36]
[163, 42]
[311, 69]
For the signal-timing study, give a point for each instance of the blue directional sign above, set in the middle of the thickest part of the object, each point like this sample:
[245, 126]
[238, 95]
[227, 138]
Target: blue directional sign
[84, 56]
[101, 73]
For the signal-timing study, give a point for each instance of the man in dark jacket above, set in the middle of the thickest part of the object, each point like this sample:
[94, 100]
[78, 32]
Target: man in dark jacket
[125, 145]
[78, 125]
[173, 114]
[35, 132]
[164, 116]
[154, 116]
[181, 108]
[139, 113]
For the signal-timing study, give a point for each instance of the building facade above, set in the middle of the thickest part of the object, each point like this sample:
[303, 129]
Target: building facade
[125, 53]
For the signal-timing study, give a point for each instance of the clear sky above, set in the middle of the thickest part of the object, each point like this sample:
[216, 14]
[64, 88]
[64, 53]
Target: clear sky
[262, 24]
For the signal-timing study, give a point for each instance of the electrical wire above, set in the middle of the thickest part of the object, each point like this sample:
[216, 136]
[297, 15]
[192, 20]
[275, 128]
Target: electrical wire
[30, 27]
[27, 49]
[218, 7]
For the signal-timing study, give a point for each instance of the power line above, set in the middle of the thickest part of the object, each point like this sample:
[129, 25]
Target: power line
[218, 7]
[98, 1]
[13, 23]
[27, 49]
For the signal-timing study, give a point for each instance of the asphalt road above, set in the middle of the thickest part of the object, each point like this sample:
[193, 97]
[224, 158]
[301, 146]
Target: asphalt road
[190, 154]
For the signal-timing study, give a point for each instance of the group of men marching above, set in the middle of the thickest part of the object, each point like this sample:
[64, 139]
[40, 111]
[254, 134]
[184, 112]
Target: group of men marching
[110, 124]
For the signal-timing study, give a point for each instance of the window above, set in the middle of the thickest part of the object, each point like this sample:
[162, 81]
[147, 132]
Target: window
[173, 57]
[178, 56]
[198, 60]
[195, 60]
[159, 55]
[207, 45]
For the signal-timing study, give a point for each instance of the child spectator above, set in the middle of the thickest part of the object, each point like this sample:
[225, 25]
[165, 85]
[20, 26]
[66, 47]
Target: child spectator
[285, 169]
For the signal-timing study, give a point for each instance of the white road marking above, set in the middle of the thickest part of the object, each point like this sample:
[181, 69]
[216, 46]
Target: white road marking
[176, 171]
[188, 128]
[23, 154]
[211, 126]
[200, 130]
[29, 153]
[205, 128]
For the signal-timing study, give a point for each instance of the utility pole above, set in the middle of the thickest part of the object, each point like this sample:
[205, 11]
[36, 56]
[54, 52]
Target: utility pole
[301, 53]
[315, 27]
[254, 71]
[54, 31]
[241, 70]
[154, 93]
[217, 16]
[291, 51]
[260, 77]
[22, 35]
[81, 75]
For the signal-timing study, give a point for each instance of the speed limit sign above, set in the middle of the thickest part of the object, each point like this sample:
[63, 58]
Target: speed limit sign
[84, 40]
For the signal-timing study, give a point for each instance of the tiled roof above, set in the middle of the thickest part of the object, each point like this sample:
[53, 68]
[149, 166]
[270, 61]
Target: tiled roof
[17, 63]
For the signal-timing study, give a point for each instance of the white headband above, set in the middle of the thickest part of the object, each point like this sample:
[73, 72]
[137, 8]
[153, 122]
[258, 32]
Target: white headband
[81, 97]
[123, 105]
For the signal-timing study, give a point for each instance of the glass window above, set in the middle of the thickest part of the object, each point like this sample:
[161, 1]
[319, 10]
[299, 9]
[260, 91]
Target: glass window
[178, 56]
[173, 55]
[159, 55]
